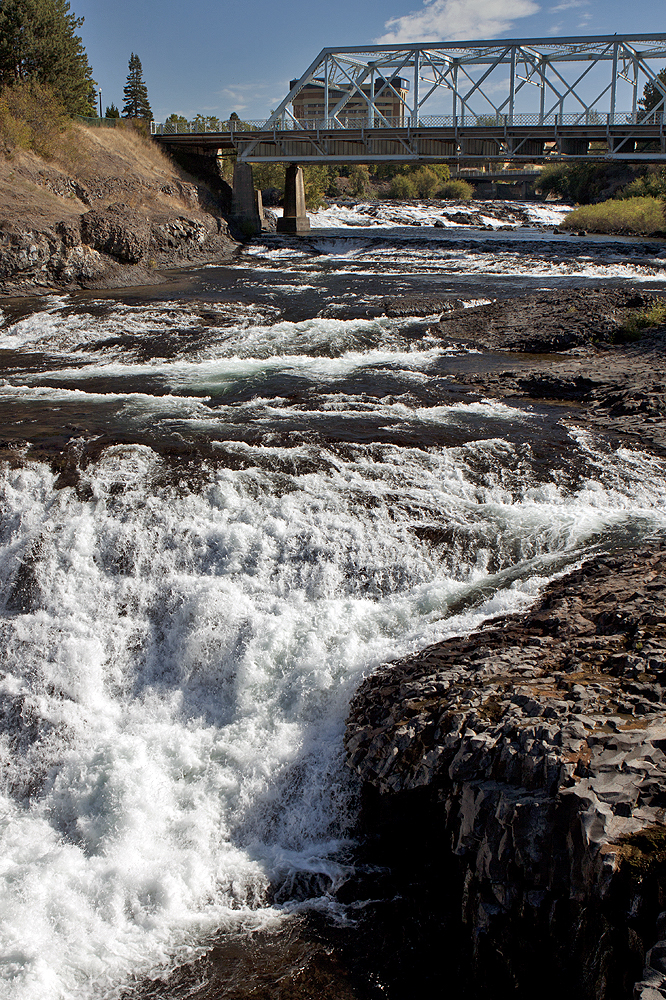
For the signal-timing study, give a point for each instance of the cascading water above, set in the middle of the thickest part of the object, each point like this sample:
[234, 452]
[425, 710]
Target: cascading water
[258, 507]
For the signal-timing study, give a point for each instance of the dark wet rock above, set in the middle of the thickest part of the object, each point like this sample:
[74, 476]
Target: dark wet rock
[116, 231]
[533, 751]
[413, 304]
[545, 322]
[110, 248]
[616, 383]
[463, 218]
[186, 239]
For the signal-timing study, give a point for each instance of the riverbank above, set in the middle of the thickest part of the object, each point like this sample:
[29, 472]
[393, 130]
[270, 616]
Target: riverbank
[111, 212]
[532, 750]
[586, 357]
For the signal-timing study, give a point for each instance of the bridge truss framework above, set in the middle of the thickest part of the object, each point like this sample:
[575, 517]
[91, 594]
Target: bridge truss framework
[564, 97]
[468, 73]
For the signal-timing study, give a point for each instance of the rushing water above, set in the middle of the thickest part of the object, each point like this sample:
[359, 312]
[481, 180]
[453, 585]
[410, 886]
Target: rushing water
[268, 489]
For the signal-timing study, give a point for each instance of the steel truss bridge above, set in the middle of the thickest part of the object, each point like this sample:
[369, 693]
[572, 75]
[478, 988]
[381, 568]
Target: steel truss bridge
[517, 100]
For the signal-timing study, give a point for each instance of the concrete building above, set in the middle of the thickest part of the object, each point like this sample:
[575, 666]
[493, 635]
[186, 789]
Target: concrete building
[311, 102]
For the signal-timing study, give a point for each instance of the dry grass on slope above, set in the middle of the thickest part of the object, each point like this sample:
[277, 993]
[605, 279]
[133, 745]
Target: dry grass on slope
[54, 169]
[118, 152]
[91, 168]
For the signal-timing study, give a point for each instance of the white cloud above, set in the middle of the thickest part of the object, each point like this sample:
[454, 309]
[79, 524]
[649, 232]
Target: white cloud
[571, 5]
[441, 20]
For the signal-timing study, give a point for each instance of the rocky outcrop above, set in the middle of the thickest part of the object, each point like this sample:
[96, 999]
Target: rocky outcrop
[538, 747]
[116, 231]
[114, 246]
[544, 322]
[33, 258]
[615, 382]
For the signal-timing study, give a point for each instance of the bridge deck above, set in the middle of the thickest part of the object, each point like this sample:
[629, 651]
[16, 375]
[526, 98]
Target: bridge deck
[501, 143]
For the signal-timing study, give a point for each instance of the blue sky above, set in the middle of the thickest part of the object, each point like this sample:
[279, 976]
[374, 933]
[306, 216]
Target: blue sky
[215, 57]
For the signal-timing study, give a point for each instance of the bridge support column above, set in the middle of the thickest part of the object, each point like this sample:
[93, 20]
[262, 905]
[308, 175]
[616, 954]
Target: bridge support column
[246, 207]
[294, 218]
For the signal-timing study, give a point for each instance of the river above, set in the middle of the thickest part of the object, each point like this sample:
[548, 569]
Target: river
[225, 500]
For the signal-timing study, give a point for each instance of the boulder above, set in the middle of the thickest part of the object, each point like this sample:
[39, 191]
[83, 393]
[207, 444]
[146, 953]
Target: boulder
[116, 231]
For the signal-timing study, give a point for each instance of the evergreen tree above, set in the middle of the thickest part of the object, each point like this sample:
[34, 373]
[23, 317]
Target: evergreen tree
[112, 112]
[136, 92]
[652, 96]
[38, 43]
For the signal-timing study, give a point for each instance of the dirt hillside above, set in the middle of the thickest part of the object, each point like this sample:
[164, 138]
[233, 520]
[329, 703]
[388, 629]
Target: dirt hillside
[109, 208]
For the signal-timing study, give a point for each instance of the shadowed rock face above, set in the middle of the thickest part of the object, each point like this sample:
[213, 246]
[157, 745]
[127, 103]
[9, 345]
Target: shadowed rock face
[539, 744]
[108, 248]
[116, 231]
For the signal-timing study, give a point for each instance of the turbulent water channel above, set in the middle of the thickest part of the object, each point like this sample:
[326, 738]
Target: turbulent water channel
[268, 489]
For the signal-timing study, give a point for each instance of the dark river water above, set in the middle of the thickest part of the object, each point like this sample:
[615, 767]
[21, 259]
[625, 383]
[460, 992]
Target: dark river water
[224, 501]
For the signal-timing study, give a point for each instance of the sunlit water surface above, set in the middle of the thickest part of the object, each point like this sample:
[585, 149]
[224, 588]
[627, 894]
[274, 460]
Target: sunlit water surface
[266, 494]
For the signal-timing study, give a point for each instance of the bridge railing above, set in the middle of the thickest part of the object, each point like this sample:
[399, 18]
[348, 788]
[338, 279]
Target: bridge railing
[585, 118]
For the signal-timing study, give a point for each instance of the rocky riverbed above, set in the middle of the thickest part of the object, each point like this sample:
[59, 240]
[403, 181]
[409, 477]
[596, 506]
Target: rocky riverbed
[228, 500]
[585, 357]
[532, 751]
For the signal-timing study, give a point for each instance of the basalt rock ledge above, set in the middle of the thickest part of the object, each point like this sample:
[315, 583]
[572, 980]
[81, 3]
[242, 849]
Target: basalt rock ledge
[533, 753]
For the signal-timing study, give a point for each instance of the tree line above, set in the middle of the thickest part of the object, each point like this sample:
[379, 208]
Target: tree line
[40, 48]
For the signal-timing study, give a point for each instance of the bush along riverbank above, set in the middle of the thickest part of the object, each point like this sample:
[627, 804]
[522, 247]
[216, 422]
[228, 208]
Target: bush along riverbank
[630, 217]
[531, 756]
[611, 198]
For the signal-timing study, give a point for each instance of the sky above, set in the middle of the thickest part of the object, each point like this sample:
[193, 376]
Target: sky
[213, 57]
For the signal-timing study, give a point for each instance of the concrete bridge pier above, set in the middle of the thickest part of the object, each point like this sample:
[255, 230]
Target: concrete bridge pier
[294, 218]
[246, 205]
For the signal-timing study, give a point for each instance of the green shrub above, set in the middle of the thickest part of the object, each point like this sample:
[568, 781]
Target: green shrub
[426, 181]
[359, 177]
[633, 216]
[32, 117]
[582, 183]
[554, 179]
[402, 187]
[651, 184]
[643, 319]
[456, 191]
[315, 182]
[265, 175]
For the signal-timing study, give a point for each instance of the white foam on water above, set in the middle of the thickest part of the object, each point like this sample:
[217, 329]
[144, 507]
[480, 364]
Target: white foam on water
[407, 253]
[179, 665]
[66, 332]
[177, 662]
[278, 414]
[389, 214]
[255, 346]
[211, 376]
[547, 215]
[55, 328]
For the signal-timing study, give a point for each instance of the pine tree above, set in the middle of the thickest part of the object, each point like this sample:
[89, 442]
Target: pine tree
[38, 43]
[112, 112]
[652, 95]
[136, 92]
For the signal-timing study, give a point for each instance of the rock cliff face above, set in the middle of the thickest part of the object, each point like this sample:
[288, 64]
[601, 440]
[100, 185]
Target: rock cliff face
[95, 250]
[534, 753]
[115, 217]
